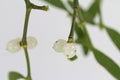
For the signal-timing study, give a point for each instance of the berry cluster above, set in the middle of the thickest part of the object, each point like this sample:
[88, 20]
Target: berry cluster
[68, 49]
[14, 46]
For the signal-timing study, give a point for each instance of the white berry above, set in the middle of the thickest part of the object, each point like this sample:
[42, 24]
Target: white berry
[58, 45]
[13, 46]
[31, 42]
[69, 50]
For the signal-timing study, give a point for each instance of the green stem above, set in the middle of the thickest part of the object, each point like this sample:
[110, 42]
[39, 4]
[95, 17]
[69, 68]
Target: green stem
[100, 19]
[71, 35]
[29, 7]
[28, 64]
[26, 25]
[24, 42]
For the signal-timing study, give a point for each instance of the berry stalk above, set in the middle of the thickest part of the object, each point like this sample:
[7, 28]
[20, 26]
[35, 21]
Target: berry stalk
[71, 35]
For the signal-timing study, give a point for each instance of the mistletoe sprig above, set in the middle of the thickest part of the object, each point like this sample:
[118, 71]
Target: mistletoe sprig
[26, 42]
[87, 16]
[80, 18]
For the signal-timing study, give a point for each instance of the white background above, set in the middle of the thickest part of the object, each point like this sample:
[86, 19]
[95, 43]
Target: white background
[47, 27]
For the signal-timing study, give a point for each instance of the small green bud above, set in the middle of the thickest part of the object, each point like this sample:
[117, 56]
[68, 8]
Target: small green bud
[46, 8]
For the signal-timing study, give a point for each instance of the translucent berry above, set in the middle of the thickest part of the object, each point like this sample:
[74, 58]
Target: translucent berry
[58, 45]
[69, 50]
[13, 46]
[31, 42]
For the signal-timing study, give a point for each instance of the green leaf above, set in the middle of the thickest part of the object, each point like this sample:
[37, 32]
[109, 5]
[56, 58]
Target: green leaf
[15, 76]
[56, 3]
[85, 50]
[70, 3]
[115, 36]
[87, 16]
[80, 35]
[107, 63]
[73, 58]
[90, 14]
[93, 10]
[82, 39]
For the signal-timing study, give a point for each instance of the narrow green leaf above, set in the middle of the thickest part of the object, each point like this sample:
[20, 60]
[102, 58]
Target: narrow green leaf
[56, 3]
[70, 3]
[80, 35]
[85, 50]
[107, 63]
[87, 16]
[115, 36]
[15, 76]
[90, 14]
[81, 39]
[93, 10]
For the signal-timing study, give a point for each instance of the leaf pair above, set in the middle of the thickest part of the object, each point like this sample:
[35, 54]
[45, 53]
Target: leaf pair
[15, 76]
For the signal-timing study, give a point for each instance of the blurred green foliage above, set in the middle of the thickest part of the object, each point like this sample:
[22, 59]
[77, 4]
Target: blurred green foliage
[83, 38]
